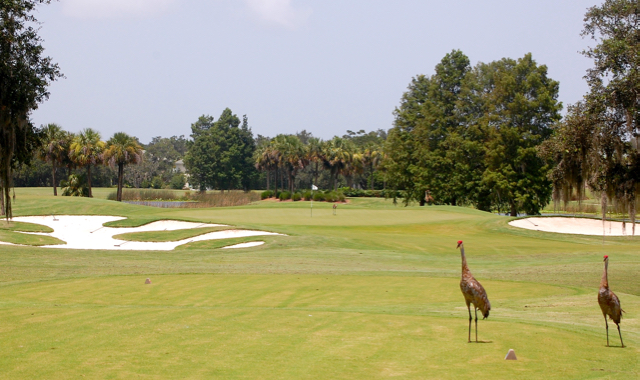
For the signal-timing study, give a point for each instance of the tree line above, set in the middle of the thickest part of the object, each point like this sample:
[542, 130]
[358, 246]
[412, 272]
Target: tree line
[468, 135]
[597, 145]
[223, 154]
[87, 158]
[86, 150]
[489, 135]
[492, 135]
[299, 161]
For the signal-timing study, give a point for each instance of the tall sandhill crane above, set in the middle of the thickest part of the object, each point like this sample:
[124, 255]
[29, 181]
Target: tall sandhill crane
[473, 293]
[609, 302]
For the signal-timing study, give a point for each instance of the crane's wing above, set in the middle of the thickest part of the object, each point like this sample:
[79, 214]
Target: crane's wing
[614, 307]
[481, 301]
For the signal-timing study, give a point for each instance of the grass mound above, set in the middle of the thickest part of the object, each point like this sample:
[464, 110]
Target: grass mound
[164, 236]
[10, 232]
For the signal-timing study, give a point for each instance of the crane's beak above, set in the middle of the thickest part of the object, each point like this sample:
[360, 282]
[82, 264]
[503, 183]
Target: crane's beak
[459, 244]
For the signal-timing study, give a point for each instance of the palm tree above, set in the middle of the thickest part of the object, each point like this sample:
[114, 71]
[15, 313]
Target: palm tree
[353, 167]
[86, 150]
[371, 159]
[265, 159]
[315, 150]
[53, 149]
[337, 155]
[291, 154]
[122, 150]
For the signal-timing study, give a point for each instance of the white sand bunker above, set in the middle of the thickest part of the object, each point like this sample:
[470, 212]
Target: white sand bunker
[578, 226]
[245, 245]
[88, 232]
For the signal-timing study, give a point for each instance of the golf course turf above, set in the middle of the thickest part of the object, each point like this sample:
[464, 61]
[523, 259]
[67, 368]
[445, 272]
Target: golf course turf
[371, 292]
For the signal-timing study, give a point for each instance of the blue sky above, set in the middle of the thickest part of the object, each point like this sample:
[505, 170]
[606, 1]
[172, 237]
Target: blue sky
[152, 67]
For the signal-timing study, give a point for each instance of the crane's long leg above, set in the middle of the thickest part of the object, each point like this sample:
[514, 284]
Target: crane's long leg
[476, 310]
[619, 333]
[607, 325]
[470, 318]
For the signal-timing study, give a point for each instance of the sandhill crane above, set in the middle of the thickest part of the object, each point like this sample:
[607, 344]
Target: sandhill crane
[609, 303]
[473, 293]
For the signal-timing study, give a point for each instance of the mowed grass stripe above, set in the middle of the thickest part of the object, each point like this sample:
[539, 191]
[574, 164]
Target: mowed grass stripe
[371, 292]
[253, 336]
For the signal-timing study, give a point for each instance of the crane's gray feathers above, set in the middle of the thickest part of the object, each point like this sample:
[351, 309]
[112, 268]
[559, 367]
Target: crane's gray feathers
[475, 294]
[610, 304]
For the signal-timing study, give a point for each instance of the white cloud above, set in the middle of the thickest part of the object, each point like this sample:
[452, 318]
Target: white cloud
[280, 12]
[114, 8]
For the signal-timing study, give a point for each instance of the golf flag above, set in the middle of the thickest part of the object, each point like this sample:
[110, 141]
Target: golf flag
[314, 187]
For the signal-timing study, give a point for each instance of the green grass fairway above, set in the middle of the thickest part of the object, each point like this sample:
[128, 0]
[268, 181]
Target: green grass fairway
[162, 236]
[371, 292]
[9, 234]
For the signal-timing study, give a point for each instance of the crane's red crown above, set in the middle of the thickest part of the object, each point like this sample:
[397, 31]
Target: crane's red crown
[459, 242]
[606, 256]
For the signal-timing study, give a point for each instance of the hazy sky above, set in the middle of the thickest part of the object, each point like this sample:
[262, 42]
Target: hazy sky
[152, 67]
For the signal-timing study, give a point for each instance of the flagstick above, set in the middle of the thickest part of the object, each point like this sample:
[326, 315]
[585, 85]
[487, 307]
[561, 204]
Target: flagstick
[313, 188]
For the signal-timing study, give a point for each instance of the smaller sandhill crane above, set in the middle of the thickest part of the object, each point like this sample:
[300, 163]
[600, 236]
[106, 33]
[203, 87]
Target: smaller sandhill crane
[473, 293]
[609, 302]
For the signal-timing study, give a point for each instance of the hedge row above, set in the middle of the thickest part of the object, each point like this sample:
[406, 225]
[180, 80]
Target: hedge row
[353, 193]
[318, 196]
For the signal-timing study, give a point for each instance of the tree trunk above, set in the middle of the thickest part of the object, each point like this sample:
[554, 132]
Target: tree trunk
[1, 198]
[291, 181]
[282, 180]
[89, 180]
[120, 178]
[268, 175]
[316, 175]
[334, 179]
[275, 181]
[53, 174]
[371, 179]
[514, 210]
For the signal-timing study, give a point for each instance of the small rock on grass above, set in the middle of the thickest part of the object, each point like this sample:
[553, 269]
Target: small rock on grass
[511, 355]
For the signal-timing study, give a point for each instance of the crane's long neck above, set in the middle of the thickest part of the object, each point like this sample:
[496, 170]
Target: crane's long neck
[605, 281]
[465, 267]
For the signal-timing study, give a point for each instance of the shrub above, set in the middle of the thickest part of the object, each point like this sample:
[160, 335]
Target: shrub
[330, 196]
[156, 182]
[296, 197]
[318, 197]
[285, 195]
[307, 195]
[266, 194]
[178, 181]
[75, 186]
